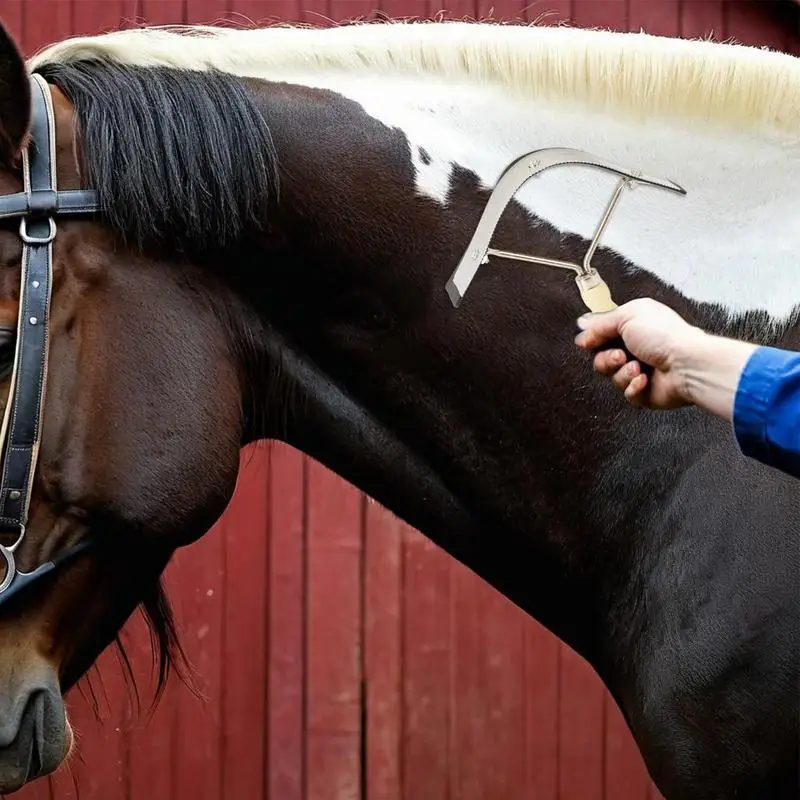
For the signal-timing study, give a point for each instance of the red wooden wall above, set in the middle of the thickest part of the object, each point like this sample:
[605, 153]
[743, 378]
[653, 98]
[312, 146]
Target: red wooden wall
[342, 656]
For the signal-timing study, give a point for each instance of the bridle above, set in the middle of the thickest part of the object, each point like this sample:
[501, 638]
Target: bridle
[37, 207]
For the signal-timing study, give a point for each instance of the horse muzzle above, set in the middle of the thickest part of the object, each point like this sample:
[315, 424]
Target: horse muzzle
[34, 734]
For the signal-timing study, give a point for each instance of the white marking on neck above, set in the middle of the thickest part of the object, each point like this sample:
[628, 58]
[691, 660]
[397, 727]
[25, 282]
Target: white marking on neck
[734, 240]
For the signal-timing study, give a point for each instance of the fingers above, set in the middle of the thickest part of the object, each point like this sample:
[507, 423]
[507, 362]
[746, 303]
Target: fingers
[634, 392]
[607, 362]
[627, 377]
[598, 329]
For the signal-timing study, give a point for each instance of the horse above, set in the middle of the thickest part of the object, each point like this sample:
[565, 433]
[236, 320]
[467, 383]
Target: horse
[216, 235]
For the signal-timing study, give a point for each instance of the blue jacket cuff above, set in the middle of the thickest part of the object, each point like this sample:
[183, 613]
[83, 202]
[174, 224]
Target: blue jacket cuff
[756, 397]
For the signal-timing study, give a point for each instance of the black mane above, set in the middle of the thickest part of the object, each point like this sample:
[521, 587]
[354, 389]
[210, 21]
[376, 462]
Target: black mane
[183, 160]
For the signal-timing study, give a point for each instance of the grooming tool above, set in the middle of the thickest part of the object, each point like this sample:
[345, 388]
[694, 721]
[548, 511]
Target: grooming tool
[594, 291]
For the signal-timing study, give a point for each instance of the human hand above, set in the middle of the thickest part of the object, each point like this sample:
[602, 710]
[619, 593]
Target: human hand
[655, 335]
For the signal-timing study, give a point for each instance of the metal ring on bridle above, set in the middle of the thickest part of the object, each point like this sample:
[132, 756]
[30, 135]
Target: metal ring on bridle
[11, 567]
[34, 240]
[8, 556]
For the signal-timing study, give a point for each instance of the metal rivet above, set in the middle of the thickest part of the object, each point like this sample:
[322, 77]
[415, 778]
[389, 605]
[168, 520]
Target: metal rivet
[36, 284]
[33, 320]
[14, 494]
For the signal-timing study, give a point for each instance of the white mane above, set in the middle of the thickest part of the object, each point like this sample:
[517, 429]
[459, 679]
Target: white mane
[633, 73]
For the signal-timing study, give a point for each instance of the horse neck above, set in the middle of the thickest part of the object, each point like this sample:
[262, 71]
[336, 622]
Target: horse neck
[536, 475]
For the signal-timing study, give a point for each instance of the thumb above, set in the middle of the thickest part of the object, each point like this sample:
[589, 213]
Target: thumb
[599, 328]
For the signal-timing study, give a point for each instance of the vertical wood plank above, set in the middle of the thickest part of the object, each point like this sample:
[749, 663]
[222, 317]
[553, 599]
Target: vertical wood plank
[549, 12]
[199, 601]
[457, 9]
[506, 11]
[333, 661]
[316, 12]
[606, 14]
[756, 24]
[245, 628]
[150, 738]
[45, 22]
[383, 656]
[541, 704]
[63, 784]
[98, 766]
[352, 10]
[626, 777]
[40, 789]
[161, 12]
[660, 19]
[703, 19]
[249, 14]
[401, 9]
[285, 753]
[581, 722]
[272, 11]
[488, 727]
[102, 772]
[427, 669]
[12, 13]
[99, 16]
[793, 26]
[206, 12]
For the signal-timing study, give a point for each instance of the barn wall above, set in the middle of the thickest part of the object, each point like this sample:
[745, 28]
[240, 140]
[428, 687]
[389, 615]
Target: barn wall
[340, 654]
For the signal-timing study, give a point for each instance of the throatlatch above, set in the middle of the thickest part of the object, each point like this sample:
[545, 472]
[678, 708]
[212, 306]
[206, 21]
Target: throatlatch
[593, 289]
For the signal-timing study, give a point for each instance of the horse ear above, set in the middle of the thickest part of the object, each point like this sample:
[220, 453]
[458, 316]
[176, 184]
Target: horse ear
[15, 99]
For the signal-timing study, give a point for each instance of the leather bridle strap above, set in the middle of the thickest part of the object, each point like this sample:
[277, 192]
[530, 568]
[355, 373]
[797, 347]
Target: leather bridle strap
[36, 206]
[30, 363]
[69, 201]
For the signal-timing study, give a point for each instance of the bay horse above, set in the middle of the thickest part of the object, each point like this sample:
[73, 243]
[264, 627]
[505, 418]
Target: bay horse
[249, 233]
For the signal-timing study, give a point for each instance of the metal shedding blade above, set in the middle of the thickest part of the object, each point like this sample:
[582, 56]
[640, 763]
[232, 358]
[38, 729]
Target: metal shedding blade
[593, 289]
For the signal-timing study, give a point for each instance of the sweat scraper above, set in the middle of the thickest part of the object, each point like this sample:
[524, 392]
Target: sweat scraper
[593, 290]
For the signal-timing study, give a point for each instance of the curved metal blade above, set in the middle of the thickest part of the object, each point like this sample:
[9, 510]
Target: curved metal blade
[510, 182]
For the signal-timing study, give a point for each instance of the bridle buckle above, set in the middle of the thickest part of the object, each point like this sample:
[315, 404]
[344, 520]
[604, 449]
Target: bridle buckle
[36, 240]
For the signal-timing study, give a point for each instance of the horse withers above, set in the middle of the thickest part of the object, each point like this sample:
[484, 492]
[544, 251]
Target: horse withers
[247, 234]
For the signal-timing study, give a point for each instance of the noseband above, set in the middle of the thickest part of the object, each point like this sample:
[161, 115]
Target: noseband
[37, 207]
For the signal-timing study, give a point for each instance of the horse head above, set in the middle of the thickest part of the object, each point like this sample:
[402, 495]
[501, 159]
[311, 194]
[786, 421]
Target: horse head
[91, 508]
[250, 235]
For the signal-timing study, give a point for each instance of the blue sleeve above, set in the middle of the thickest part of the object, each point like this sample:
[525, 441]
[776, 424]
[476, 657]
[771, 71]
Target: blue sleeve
[766, 410]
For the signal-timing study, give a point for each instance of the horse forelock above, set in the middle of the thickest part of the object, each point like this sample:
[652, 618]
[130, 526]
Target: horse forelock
[159, 182]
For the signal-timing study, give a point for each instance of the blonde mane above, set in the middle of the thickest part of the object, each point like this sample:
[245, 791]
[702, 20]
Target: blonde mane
[638, 75]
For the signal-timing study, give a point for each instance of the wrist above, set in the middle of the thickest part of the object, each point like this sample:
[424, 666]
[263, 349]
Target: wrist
[708, 368]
